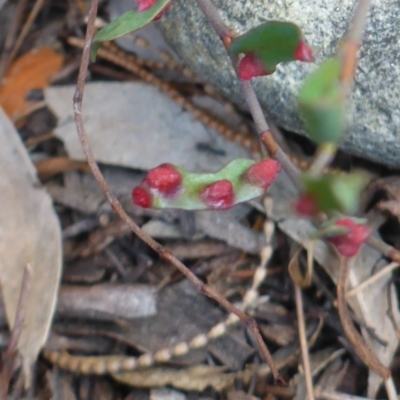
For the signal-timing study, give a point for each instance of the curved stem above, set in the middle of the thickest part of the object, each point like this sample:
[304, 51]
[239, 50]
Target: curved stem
[117, 207]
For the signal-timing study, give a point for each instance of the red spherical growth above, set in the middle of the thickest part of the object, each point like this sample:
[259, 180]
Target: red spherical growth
[263, 173]
[306, 205]
[251, 67]
[144, 5]
[141, 197]
[219, 195]
[348, 244]
[165, 178]
[304, 53]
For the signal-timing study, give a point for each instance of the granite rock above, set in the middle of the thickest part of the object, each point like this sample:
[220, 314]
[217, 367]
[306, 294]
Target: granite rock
[374, 110]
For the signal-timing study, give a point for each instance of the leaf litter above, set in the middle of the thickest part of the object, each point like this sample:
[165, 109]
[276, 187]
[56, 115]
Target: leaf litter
[91, 233]
[30, 234]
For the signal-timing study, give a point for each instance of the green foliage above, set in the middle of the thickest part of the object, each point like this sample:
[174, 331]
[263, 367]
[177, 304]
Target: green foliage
[335, 192]
[322, 104]
[128, 22]
[272, 43]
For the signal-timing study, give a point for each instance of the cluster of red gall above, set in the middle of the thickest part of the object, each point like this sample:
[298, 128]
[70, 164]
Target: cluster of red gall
[166, 181]
[143, 5]
[251, 67]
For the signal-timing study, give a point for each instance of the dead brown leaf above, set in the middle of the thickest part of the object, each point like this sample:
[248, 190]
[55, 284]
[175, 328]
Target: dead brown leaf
[29, 234]
[31, 71]
[50, 167]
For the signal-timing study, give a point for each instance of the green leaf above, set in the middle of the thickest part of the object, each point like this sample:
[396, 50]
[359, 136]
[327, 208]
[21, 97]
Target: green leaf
[322, 104]
[272, 43]
[188, 195]
[334, 192]
[194, 182]
[127, 23]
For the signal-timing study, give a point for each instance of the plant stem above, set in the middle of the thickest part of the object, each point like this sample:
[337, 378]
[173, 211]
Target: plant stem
[219, 26]
[303, 341]
[262, 126]
[117, 207]
[325, 154]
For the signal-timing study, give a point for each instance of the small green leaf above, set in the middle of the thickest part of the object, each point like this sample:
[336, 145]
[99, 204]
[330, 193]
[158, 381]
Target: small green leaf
[272, 42]
[128, 22]
[334, 192]
[169, 186]
[322, 104]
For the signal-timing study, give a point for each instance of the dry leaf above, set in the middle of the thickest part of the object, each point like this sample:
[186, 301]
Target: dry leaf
[29, 233]
[371, 304]
[50, 167]
[31, 71]
[140, 128]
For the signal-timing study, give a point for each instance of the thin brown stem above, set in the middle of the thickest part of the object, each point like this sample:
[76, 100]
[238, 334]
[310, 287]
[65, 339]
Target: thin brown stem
[25, 29]
[219, 26]
[303, 342]
[10, 38]
[360, 347]
[262, 125]
[387, 250]
[116, 205]
[351, 45]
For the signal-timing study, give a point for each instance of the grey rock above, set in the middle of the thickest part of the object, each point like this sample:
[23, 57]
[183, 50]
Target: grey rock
[374, 113]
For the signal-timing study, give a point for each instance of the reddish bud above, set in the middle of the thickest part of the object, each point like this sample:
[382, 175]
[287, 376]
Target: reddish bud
[304, 53]
[306, 205]
[348, 244]
[251, 67]
[263, 173]
[141, 197]
[144, 5]
[165, 178]
[219, 195]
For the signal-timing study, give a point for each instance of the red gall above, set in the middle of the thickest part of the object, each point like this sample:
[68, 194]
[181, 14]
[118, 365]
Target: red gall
[349, 243]
[141, 197]
[218, 195]
[165, 178]
[263, 173]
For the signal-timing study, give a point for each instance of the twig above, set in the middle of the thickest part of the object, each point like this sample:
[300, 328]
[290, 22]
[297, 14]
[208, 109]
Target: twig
[11, 351]
[212, 15]
[391, 389]
[115, 204]
[391, 306]
[25, 29]
[303, 341]
[263, 129]
[8, 44]
[387, 250]
[360, 347]
[351, 45]
[389, 268]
